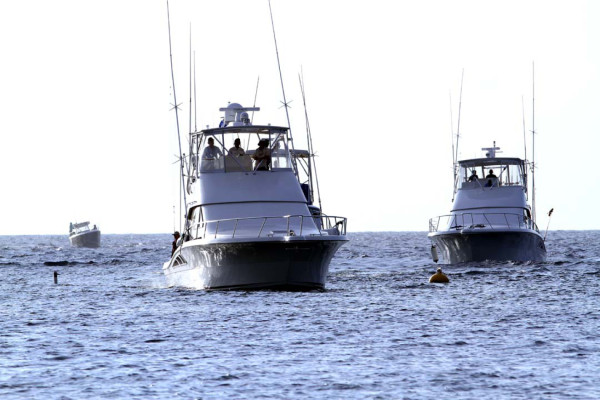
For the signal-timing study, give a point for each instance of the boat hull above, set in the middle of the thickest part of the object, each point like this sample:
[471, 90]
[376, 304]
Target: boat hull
[460, 246]
[271, 264]
[86, 239]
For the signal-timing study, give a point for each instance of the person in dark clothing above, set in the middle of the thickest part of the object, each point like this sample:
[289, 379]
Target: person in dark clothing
[176, 236]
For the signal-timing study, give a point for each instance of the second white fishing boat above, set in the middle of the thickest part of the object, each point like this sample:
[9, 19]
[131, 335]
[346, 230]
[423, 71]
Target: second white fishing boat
[490, 218]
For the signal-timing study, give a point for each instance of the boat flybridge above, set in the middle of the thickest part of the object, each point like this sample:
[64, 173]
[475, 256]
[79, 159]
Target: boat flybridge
[490, 217]
[81, 235]
[250, 219]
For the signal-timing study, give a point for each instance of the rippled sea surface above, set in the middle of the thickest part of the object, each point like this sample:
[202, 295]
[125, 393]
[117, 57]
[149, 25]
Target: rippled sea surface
[112, 329]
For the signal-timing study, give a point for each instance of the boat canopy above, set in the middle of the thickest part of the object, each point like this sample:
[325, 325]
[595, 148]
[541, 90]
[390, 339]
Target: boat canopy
[477, 162]
[238, 146]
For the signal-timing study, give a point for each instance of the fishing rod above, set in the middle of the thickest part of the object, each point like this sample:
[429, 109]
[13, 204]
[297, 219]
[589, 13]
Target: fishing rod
[285, 102]
[176, 107]
[253, 106]
[524, 130]
[195, 101]
[452, 137]
[309, 141]
[459, 110]
[255, 95]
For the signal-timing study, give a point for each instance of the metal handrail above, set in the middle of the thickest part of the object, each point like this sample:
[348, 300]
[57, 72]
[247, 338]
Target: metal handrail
[328, 225]
[457, 221]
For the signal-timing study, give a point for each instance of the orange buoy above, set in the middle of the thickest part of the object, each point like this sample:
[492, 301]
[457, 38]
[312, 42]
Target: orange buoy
[439, 277]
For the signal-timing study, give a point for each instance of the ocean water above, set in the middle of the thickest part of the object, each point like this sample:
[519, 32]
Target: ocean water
[112, 329]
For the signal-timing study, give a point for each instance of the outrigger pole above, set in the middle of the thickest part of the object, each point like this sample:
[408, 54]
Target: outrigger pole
[533, 208]
[285, 103]
[176, 107]
[452, 137]
[455, 158]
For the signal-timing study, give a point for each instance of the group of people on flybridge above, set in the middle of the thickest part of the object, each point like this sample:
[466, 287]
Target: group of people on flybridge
[262, 155]
[490, 177]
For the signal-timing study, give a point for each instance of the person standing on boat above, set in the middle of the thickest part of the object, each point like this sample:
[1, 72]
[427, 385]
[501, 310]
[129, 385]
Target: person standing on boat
[262, 155]
[174, 244]
[211, 152]
[490, 178]
[236, 150]
[473, 177]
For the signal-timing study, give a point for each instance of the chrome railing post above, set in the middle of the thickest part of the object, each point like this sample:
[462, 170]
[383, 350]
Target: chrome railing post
[262, 226]
[235, 228]
[488, 221]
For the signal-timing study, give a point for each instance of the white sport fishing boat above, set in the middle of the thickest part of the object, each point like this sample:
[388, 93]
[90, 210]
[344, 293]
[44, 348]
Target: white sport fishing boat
[490, 217]
[81, 235]
[251, 222]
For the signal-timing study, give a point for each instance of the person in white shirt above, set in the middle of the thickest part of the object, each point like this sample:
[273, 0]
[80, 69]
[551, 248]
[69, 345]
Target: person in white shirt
[236, 150]
[211, 152]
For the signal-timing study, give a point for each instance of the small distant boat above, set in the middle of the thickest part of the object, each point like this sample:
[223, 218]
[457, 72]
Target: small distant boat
[81, 235]
[490, 217]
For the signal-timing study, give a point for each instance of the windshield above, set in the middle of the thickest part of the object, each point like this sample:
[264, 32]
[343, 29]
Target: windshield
[502, 173]
[239, 150]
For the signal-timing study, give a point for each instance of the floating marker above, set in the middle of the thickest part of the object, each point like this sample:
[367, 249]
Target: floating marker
[434, 254]
[439, 277]
[55, 277]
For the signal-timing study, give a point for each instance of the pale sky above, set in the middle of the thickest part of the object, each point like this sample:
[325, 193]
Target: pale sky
[87, 132]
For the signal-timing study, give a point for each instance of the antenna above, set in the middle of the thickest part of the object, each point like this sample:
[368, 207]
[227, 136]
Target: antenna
[176, 107]
[285, 103]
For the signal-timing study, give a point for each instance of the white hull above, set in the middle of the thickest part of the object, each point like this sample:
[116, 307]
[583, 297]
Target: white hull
[86, 239]
[285, 263]
[496, 245]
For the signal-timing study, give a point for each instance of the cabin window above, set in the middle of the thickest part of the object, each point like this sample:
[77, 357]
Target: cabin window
[280, 153]
[491, 175]
[194, 221]
[233, 151]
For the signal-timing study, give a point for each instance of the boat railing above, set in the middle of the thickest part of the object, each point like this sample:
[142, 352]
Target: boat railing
[261, 227]
[492, 221]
